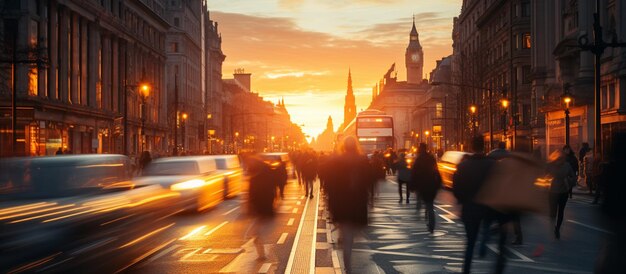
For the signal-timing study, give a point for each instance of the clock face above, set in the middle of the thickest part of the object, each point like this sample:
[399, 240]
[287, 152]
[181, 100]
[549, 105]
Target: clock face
[415, 57]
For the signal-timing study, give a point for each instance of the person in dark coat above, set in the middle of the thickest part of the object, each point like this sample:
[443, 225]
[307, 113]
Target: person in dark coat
[59, 151]
[261, 196]
[309, 172]
[404, 176]
[467, 181]
[563, 179]
[281, 176]
[427, 180]
[570, 157]
[349, 183]
[144, 160]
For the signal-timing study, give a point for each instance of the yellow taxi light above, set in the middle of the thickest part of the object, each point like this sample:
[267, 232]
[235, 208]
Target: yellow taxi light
[191, 184]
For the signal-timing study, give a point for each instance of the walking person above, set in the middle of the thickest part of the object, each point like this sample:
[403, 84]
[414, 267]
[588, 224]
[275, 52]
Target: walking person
[261, 196]
[309, 172]
[144, 160]
[570, 158]
[563, 178]
[588, 171]
[427, 180]
[349, 183]
[467, 181]
[404, 176]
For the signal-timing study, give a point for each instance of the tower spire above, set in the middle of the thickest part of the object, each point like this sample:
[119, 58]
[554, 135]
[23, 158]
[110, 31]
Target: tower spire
[349, 108]
[349, 80]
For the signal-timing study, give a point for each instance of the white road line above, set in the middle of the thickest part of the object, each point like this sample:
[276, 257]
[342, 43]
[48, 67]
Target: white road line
[295, 210]
[190, 254]
[282, 239]
[590, 227]
[265, 268]
[416, 255]
[193, 232]
[520, 255]
[314, 242]
[230, 211]
[447, 211]
[446, 218]
[162, 253]
[292, 254]
[215, 228]
[290, 222]
[335, 259]
[298, 203]
[145, 255]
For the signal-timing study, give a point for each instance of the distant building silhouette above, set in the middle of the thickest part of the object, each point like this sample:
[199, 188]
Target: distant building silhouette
[349, 108]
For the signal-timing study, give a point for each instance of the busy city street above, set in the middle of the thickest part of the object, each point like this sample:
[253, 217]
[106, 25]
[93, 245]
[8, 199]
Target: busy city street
[312, 136]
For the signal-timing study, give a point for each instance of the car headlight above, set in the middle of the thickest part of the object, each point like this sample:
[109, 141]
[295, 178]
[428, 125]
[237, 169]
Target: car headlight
[190, 184]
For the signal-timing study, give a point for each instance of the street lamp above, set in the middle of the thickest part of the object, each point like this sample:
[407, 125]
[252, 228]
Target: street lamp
[473, 110]
[236, 139]
[183, 128]
[505, 104]
[427, 133]
[567, 99]
[144, 92]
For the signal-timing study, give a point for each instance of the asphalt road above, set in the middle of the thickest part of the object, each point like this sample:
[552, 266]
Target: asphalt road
[397, 240]
[219, 240]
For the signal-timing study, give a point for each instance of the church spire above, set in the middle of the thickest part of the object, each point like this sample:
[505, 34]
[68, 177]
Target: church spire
[349, 108]
[329, 124]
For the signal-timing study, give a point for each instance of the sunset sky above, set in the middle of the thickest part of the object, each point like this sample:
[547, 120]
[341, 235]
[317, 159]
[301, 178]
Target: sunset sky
[301, 49]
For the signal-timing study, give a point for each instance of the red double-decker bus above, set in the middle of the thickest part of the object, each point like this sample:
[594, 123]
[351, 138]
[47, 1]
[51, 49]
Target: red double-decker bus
[373, 129]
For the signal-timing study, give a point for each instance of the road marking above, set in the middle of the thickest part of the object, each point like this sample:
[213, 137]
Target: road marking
[282, 238]
[314, 242]
[335, 259]
[193, 232]
[295, 210]
[265, 268]
[416, 255]
[145, 255]
[292, 254]
[146, 236]
[298, 203]
[590, 227]
[447, 211]
[446, 218]
[519, 255]
[290, 222]
[184, 258]
[162, 253]
[215, 228]
[230, 211]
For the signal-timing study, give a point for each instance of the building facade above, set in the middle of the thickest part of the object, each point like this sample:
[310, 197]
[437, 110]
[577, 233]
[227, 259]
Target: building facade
[490, 65]
[77, 68]
[558, 64]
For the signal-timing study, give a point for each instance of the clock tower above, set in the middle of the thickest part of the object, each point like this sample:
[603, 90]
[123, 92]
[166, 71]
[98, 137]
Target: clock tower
[414, 58]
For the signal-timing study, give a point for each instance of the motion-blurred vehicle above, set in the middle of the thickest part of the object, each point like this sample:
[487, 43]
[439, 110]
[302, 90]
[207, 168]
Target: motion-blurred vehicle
[50, 204]
[194, 177]
[447, 165]
[276, 158]
[229, 167]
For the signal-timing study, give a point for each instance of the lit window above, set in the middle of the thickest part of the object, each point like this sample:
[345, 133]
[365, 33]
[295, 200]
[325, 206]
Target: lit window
[32, 81]
[526, 41]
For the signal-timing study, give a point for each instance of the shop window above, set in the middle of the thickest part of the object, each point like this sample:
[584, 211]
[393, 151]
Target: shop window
[611, 95]
[438, 110]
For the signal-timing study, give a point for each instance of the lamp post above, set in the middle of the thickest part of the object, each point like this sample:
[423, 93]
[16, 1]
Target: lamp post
[597, 47]
[427, 134]
[473, 110]
[144, 92]
[236, 139]
[505, 104]
[567, 99]
[183, 128]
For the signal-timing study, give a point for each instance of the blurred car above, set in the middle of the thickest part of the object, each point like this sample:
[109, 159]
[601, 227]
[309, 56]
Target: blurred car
[56, 203]
[229, 167]
[447, 165]
[196, 178]
[274, 158]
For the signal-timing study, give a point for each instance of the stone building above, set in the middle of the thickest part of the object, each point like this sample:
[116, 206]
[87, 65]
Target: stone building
[325, 141]
[213, 85]
[184, 73]
[400, 98]
[77, 68]
[250, 123]
[558, 63]
[491, 64]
